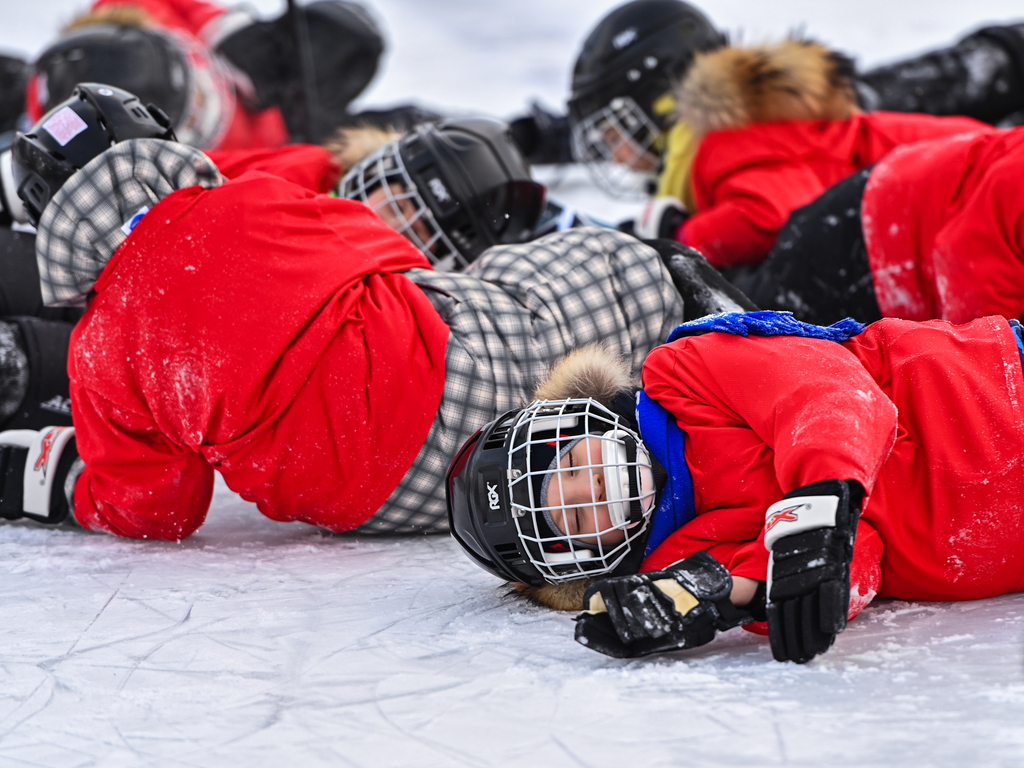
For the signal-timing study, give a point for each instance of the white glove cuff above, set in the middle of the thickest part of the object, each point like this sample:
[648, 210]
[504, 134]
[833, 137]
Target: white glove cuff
[798, 514]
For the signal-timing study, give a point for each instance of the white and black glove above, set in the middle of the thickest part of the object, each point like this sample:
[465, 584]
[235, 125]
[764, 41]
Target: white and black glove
[34, 468]
[810, 535]
[683, 606]
[660, 220]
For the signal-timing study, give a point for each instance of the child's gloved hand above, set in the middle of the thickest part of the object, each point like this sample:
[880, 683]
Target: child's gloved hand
[680, 607]
[33, 469]
[810, 534]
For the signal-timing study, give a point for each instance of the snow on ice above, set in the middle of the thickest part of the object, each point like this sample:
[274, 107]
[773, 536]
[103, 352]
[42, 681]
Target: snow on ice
[260, 643]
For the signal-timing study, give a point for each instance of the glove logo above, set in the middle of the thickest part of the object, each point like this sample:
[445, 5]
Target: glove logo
[787, 515]
[492, 496]
[44, 452]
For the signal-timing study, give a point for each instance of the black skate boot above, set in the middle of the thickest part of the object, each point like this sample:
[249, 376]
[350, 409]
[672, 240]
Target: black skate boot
[341, 45]
[704, 290]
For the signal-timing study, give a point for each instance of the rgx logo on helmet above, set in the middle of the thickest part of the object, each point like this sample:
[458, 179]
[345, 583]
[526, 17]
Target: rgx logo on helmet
[492, 496]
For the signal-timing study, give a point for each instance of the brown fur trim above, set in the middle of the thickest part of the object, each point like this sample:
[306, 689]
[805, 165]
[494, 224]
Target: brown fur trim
[591, 371]
[791, 80]
[123, 15]
[567, 596]
[350, 145]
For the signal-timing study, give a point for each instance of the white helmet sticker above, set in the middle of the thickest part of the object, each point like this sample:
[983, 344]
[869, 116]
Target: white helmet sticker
[64, 125]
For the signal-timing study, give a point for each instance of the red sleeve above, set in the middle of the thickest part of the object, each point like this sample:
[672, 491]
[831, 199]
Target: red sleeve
[136, 483]
[190, 15]
[743, 207]
[308, 165]
[763, 416]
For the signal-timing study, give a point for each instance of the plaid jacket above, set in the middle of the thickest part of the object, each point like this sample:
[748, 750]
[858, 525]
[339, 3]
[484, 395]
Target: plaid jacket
[93, 213]
[512, 314]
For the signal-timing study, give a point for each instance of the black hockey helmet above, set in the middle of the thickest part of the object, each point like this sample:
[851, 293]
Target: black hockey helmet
[505, 502]
[453, 188]
[71, 134]
[627, 67]
[144, 62]
[161, 66]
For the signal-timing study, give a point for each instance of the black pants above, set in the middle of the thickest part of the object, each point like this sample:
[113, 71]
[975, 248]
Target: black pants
[818, 269]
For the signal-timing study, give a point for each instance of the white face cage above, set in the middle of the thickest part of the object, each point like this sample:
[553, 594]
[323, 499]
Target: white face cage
[599, 497]
[211, 97]
[382, 182]
[617, 145]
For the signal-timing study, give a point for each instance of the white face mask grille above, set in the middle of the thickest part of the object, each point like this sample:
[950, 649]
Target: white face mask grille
[382, 182]
[617, 145]
[210, 105]
[580, 494]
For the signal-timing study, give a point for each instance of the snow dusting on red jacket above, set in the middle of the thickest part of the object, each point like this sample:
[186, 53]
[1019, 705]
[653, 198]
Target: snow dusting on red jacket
[926, 416]
[944, 227]
[262, 330]
[747, 181]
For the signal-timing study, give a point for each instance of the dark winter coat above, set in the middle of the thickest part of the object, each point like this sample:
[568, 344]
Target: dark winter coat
[926, 416]
[943, 226]
[775, 126]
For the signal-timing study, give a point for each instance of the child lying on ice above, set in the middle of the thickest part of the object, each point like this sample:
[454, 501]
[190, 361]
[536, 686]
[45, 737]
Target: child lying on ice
[768, 470]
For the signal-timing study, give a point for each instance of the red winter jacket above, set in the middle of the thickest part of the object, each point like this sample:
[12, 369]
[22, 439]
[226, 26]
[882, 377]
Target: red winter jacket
[747, 181]
[262, 330]
[944, 227]
[189, 17]
[926, 416]
[308, 165]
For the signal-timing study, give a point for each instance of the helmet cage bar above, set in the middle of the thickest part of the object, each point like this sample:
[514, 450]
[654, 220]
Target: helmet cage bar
[561, 556]
[620, 129]
[383, 169]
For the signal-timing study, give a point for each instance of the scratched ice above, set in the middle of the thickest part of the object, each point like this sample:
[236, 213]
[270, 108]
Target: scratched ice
[259, 644]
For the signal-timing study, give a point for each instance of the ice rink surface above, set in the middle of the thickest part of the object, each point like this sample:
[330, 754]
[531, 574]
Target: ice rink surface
[256, 643]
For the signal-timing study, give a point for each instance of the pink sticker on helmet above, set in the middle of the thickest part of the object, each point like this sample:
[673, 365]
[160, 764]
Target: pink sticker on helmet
[65, 125]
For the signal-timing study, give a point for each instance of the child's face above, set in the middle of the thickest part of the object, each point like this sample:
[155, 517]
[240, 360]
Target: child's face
[384, 204]
[625, 151]
[579, 486]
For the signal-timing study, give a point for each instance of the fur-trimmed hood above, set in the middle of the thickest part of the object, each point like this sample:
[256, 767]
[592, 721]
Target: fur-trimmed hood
[790, 80]
[351, 145]
[591, 371]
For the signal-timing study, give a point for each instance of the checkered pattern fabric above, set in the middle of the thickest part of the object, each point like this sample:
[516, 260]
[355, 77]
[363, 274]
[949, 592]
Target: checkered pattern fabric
[81, 226]
[512, 314]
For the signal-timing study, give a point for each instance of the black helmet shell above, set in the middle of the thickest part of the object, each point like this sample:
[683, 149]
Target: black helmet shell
[639, 50]
[479, 509]
[66, 138]
[475, 181]
[144, 62]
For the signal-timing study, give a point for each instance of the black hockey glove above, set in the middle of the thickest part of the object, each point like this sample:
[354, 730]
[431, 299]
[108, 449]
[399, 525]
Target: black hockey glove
[33, 469]
[660, 220]
[680, 607]
[810, 534]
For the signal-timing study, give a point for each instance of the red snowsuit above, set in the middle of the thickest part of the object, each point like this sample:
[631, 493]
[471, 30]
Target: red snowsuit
[308, 165]
[944, 228]
[262, 330]
[246, 129]
[747, 181]
[926, 416]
